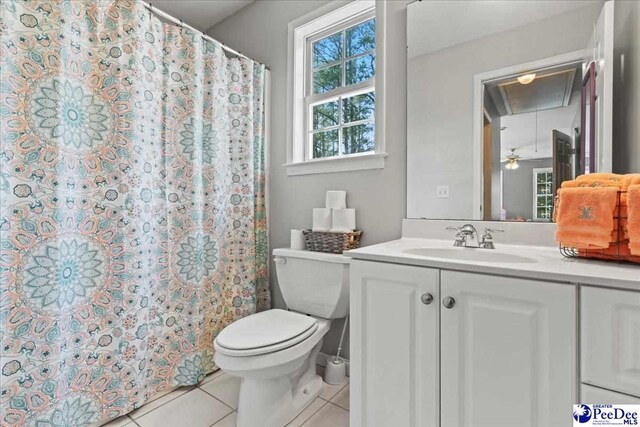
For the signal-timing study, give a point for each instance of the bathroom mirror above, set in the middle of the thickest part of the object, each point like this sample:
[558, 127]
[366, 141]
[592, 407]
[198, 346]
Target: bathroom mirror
[505, 101]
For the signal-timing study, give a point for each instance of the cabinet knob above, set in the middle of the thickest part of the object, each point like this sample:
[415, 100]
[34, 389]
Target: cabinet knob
[449, 302]
[426, 298]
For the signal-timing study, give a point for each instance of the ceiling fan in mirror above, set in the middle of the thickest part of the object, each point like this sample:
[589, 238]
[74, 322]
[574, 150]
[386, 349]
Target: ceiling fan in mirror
[512, 160]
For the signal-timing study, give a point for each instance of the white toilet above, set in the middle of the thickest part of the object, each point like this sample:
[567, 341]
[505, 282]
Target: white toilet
[274, 352]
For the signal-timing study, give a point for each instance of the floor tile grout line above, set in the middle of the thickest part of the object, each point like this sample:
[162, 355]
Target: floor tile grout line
[211, 377]
[225, 404]
[132, 421]
[335, 404]
[315, 412]
[215, 375]
[160, 406]
[222, 419]
[336, 393]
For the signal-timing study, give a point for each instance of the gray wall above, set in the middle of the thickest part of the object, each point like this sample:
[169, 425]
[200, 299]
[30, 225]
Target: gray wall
[518, 188]
[260, 31]
[440, 99]
[626, 91]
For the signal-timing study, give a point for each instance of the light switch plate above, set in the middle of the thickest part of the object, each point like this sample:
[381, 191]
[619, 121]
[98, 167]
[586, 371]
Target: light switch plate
[442, 191]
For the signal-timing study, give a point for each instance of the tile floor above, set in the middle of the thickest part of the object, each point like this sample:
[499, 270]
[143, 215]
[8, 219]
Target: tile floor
[214, 402]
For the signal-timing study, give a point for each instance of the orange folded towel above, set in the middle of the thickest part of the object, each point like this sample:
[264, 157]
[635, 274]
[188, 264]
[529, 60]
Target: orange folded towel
[585, 216]
[591, 183]
[601, 176]
[633, 221]
[631, 179]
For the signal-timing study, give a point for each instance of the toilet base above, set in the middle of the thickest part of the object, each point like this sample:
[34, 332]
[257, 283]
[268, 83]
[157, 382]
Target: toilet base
[274, 402]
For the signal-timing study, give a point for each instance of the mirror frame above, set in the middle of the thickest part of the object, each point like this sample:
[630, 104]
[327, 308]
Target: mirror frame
[588, 90]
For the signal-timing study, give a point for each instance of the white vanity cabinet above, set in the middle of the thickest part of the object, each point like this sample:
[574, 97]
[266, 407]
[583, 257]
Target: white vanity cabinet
[611, 340]
[488, 351]
[508, 351]
[394, 345]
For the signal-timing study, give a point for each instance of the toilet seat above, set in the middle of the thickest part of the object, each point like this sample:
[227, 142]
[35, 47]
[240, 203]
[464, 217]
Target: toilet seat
[265, 332]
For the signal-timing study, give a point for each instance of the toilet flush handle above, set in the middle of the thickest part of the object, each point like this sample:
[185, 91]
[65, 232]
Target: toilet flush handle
[279, 260]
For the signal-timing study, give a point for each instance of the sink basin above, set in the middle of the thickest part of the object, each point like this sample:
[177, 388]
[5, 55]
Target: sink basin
[470, 254]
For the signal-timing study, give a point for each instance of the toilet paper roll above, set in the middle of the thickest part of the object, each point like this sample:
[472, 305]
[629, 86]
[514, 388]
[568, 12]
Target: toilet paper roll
[336, 200]
[297, 240]
[321, 219]
[343, 220]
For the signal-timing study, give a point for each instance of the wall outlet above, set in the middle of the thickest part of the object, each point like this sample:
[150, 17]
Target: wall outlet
[442, 191]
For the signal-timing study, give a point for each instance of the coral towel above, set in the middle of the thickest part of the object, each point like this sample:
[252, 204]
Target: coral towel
[601, 176]
[585, 216]
[633, 223]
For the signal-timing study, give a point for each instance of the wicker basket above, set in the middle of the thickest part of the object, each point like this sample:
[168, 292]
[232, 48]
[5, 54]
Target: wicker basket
[617, 251]
[331, 241]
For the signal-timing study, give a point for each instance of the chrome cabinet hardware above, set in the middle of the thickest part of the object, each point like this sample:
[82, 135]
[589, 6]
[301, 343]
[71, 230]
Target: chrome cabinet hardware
[448, 302]
[426, 298]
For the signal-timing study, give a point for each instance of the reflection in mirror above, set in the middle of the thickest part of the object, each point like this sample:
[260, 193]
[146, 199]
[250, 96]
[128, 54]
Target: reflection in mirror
[529, 121]
[507, 100]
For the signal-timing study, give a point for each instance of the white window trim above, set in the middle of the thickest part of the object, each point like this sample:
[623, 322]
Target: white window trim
[334, 13]
[537, 171]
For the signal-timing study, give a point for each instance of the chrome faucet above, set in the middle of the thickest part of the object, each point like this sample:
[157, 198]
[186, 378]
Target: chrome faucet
[467, 237]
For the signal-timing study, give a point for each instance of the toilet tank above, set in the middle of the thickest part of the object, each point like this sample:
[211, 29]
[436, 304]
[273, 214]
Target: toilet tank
[314, 283]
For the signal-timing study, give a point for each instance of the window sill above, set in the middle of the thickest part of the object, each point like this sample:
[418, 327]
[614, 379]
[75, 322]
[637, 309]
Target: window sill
[338, 164]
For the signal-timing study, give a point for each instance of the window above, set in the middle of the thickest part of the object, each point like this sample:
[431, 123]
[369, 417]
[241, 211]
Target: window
[542, 194]
[340, 92]
[334, 110]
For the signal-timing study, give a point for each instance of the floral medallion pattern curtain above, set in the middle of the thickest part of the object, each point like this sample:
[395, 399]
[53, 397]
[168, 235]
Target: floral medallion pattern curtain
[132, 220]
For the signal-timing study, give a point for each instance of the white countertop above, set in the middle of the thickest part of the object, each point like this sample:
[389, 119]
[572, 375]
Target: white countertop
[544, 262]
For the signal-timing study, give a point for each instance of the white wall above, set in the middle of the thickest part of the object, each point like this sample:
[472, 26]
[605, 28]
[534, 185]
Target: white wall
[626, 91]
[260, 31]
[440, 99]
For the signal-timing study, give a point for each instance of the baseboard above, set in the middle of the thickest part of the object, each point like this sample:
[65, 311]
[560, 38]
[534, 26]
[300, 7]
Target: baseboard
[322, 361]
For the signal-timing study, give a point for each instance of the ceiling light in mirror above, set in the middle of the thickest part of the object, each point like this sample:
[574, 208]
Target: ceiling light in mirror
[512, 160]
[525, 79]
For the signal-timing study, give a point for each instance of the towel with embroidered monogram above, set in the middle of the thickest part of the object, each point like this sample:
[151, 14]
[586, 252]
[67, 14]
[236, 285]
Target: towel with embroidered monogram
[585, 217]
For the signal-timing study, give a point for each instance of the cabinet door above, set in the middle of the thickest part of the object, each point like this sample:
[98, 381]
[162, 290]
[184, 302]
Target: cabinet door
[394, 345]
[508, 352]
[596, 395]
[611, 339]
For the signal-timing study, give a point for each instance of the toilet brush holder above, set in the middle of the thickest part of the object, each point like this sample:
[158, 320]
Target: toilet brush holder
[336, 370]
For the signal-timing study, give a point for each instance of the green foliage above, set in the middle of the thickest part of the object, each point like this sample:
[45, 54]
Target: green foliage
[343, 59]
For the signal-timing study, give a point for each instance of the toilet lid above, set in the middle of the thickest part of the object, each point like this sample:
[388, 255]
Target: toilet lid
[265, 329]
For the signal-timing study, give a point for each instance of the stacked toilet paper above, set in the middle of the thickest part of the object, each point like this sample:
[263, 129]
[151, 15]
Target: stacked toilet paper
[334, 217]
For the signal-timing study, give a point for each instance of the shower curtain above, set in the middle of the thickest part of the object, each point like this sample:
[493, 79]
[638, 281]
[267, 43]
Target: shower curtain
[132, 220]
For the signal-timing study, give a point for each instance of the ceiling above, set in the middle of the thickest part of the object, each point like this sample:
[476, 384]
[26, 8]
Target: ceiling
[554, 93]
[201, 14]
[438, 24]
[551, 88]
[520, 130]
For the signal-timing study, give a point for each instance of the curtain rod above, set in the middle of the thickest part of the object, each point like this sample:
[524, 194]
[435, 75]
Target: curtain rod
[181, 23]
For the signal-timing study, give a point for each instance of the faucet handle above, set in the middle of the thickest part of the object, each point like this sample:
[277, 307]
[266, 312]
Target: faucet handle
[493, 230]
[459, 240]
[487, 238]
